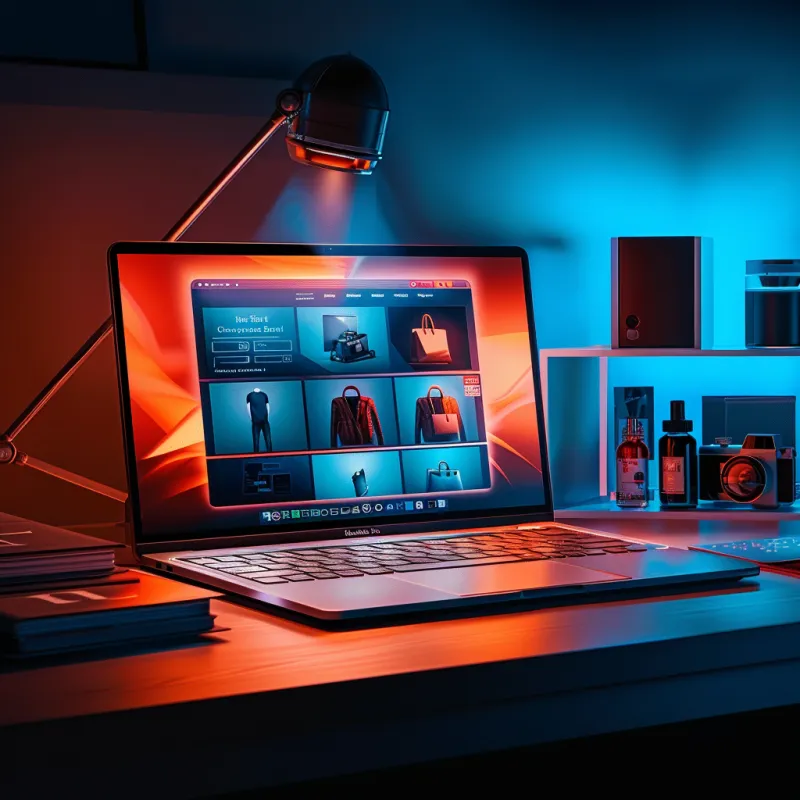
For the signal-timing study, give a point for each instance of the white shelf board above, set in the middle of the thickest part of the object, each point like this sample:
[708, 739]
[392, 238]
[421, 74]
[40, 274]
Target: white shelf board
[601, 351]
[605, 509]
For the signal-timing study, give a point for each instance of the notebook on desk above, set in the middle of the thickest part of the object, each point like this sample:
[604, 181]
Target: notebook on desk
[409, 473]
[32, 551]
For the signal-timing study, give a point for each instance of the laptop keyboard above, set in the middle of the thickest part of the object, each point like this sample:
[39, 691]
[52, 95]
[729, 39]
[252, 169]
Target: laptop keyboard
[353, 561]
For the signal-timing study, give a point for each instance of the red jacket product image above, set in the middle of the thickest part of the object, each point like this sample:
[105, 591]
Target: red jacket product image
[354, 420]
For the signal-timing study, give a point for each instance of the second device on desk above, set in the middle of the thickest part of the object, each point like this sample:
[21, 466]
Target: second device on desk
[760, 473]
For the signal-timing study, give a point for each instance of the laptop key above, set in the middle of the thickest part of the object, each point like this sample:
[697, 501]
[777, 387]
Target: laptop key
[376, 570]
[273, 573]
[348, 573]
[451, 564]
[296, 578]
[323, 576]
[270, 580]
[538, 528]
[239, 570]
[602, 541]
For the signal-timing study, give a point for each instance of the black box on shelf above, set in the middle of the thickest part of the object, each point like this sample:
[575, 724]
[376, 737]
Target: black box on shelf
[661, 292]
[734, 416]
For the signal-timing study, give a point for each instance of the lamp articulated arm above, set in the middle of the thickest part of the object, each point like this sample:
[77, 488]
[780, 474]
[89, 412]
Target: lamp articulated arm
[241, 160]
[288, 105]
[339, 110]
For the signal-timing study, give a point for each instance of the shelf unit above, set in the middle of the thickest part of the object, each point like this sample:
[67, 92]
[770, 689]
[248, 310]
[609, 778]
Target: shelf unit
[603, 509]
[579, 460]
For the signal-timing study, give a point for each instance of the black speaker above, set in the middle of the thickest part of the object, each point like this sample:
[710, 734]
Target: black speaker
[661, 292]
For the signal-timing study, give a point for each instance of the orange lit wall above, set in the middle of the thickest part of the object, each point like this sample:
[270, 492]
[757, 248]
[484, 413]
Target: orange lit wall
[91, 157]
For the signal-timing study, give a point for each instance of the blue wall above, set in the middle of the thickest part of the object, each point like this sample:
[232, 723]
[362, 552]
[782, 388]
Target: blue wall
[558, 129]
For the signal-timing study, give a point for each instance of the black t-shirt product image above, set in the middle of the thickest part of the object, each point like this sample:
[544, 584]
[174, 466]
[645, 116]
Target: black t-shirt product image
[258, 402]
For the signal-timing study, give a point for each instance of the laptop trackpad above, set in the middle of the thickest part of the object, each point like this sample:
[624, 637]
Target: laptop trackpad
[506, 578]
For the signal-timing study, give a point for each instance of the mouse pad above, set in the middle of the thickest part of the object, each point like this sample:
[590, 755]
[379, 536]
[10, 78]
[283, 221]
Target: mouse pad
[760, 551]
[503, 578]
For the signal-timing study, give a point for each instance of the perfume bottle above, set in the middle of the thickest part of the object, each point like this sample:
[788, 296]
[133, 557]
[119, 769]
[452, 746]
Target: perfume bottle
[677, 460]
[632, 463]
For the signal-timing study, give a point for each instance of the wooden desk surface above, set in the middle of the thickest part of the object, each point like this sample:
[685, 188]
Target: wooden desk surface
[274, 701]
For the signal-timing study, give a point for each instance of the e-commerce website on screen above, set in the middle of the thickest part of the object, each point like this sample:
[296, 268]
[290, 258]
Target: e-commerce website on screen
[326, 398]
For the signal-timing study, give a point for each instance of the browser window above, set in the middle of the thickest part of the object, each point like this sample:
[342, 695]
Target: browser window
[331, 398]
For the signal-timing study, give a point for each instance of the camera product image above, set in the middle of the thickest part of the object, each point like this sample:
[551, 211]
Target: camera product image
[333, 326]
[351, 346]
[759, 473]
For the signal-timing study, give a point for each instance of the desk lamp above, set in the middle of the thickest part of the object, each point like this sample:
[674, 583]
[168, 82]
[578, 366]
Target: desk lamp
[336, 115]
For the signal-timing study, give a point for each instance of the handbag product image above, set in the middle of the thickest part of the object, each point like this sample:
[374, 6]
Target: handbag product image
[429, 343]
[351, 346]
[438, 418]
[360, 483]
[443, 479]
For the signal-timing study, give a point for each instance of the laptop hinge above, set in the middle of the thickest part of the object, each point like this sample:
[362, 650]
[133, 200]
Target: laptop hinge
[303, 537]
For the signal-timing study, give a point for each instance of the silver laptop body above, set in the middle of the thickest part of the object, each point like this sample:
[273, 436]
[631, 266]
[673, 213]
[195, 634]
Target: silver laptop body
[399, 468]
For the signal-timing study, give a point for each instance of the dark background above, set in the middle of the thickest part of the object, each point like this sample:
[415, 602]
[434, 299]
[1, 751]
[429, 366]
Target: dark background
[550, 125]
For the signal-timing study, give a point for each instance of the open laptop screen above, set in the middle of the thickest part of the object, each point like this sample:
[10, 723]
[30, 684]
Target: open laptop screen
[273, 389]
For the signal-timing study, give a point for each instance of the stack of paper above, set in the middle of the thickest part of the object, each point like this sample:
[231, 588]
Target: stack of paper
[149, 608]
[31, 552]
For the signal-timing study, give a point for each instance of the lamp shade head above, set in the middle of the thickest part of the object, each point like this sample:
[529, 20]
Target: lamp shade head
[341, 115]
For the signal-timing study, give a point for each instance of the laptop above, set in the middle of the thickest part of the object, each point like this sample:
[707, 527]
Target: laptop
[409, 473]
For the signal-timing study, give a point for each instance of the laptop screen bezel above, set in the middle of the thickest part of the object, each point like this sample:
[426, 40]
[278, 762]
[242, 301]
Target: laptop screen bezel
[256, 534]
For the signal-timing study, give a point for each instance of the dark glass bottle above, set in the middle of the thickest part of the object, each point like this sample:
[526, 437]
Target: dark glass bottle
[677, 460]
[633, 458]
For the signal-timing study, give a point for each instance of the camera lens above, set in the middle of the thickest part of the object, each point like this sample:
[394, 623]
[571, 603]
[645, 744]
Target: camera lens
[744, 479]
[632, 321]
